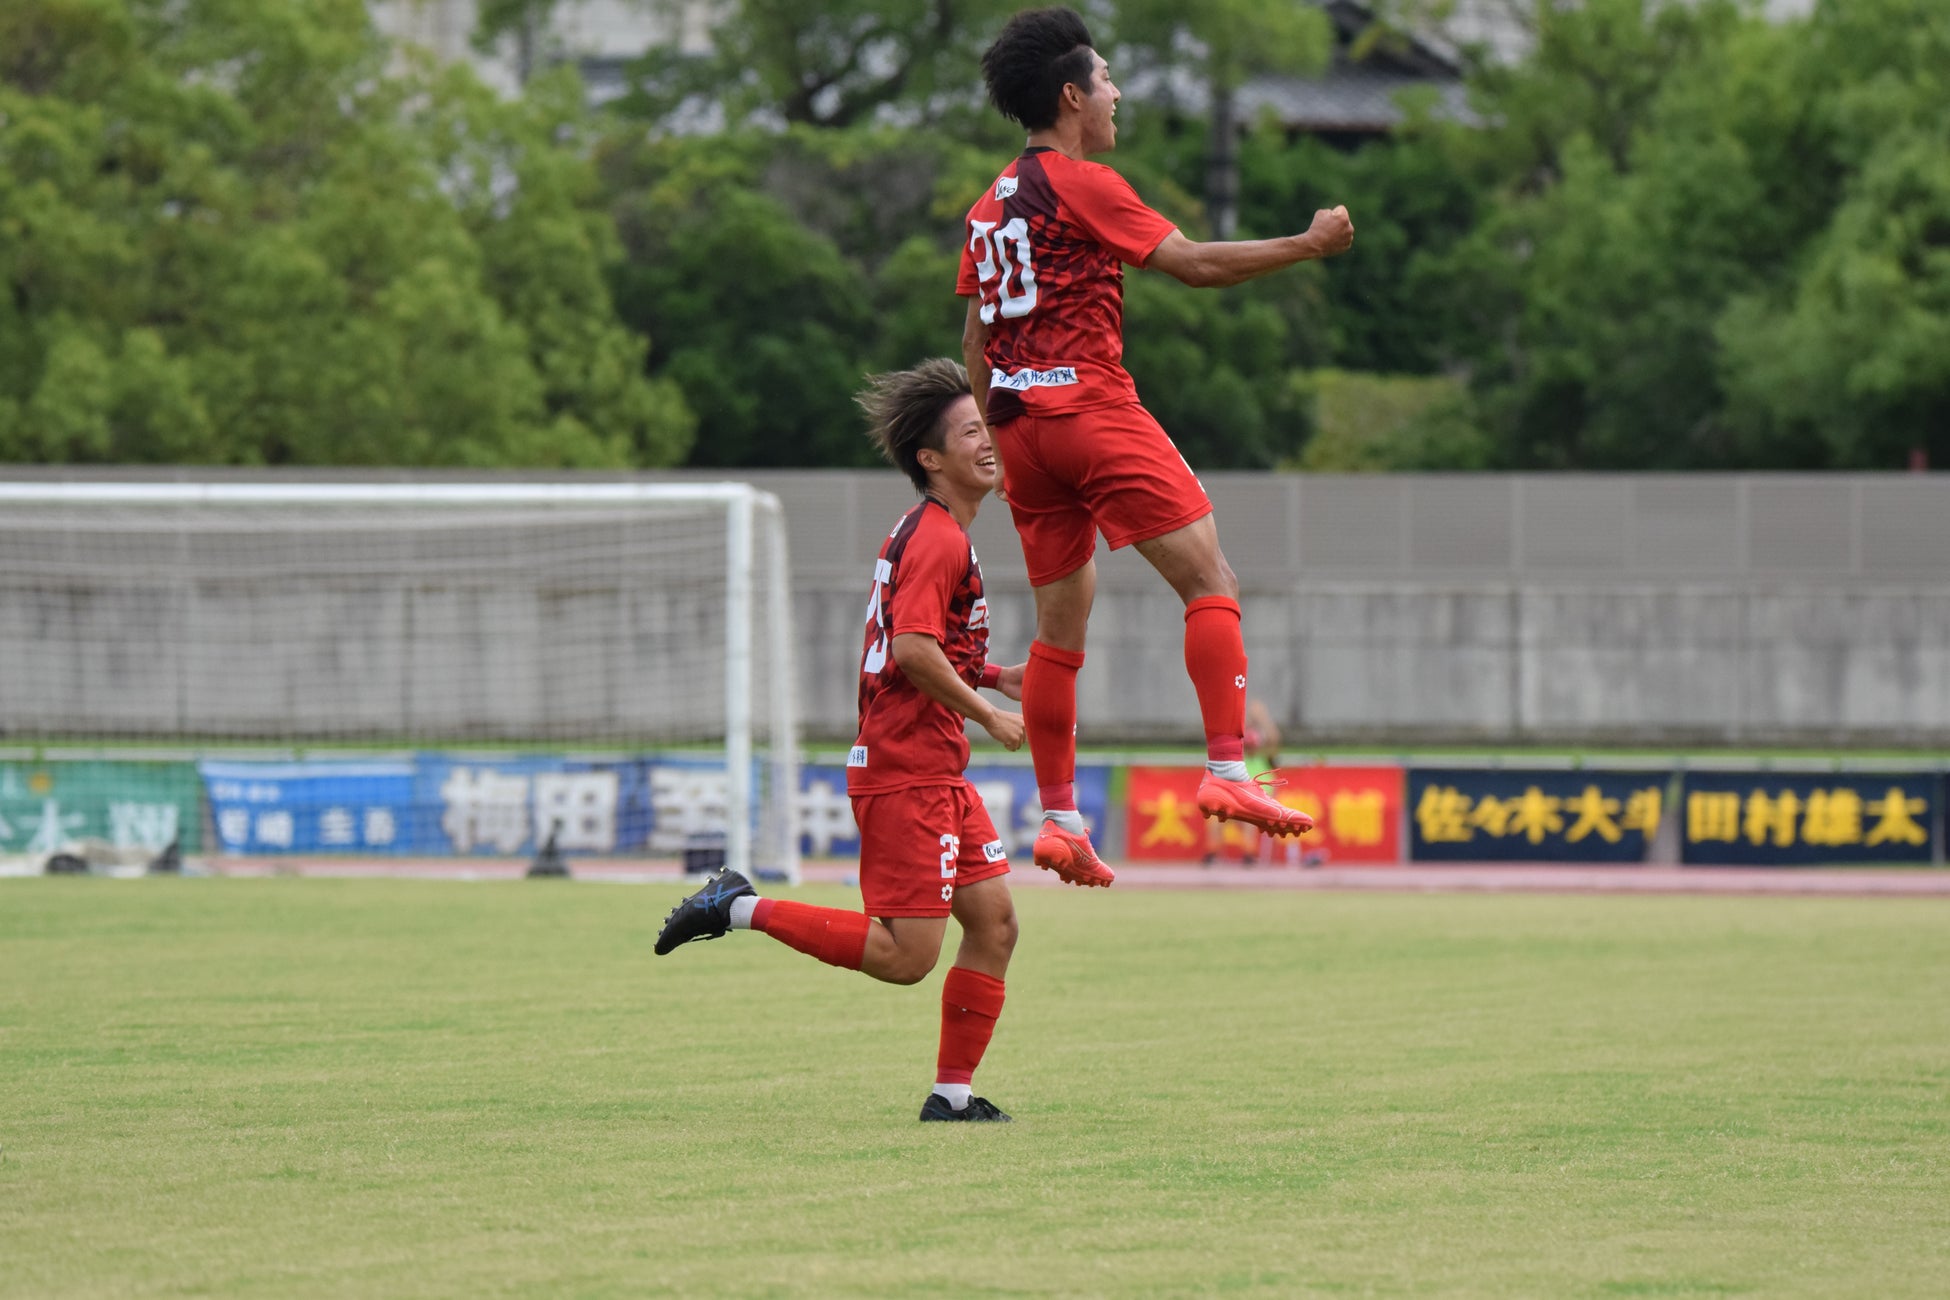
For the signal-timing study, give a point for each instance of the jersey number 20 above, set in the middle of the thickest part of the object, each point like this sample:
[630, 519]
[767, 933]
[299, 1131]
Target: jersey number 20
[994, 251]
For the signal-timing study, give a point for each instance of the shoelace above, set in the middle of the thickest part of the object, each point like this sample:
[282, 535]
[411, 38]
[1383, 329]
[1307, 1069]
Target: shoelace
[1267, 783]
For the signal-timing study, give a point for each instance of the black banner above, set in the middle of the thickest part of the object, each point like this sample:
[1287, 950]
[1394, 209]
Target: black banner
[1777, 819]
[1499, 815]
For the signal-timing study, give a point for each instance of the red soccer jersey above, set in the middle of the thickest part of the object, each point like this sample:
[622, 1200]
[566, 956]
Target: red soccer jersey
[1044, 248]
[926, 580]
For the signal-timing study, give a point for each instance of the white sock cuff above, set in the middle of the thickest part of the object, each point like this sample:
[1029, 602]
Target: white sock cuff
[741, 911]
[1068, 818]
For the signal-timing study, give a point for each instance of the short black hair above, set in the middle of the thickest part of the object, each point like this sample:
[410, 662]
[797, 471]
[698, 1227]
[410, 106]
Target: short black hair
[1038, 52]
[905, 409]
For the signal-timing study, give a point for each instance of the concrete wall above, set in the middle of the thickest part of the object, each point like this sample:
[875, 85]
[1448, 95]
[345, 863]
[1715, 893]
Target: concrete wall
[1621, 609]
[1656, 609]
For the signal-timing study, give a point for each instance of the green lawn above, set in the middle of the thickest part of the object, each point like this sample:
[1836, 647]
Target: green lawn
[298, 1087]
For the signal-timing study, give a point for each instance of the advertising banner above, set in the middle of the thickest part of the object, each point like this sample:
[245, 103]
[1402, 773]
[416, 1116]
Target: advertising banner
[1499, 815]
[1796, 819]
[511, 806]
[129, 805]
[1357, 814]
[440, 805]
[826, 828]
[312, 807]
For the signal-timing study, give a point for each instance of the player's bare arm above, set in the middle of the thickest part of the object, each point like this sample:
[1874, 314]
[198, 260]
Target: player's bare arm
[1217, 265]
[925, 664]
[974, 358]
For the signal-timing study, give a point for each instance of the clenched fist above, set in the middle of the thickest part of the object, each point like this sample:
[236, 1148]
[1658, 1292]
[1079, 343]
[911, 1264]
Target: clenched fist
[1332, 231]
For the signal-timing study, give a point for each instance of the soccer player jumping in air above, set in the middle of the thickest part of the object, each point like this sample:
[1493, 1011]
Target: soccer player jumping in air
[1041, 269]
[927, 847]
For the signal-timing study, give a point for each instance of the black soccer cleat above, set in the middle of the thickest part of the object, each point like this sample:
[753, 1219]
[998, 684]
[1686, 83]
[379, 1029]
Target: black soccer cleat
[937, 1107]
[705, 914]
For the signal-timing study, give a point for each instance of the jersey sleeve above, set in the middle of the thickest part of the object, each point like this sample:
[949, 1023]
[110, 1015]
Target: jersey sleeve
[1106, 206]
[931, 569]
[967, 282]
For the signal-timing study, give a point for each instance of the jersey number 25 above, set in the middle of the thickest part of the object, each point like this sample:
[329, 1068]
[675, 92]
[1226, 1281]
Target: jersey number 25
[876, 656]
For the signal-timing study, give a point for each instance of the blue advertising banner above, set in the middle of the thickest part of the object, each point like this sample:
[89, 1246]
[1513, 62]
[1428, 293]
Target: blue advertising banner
[1779, 819]
[826, 828]
[474, 807]
[1499, 815]
[441, 805]
[349, 807]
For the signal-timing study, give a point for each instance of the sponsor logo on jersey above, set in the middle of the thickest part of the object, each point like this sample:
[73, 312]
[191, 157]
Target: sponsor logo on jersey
[1004, 187]
[994, 852]
[1054, 377]
[857, 756]
[978, 615]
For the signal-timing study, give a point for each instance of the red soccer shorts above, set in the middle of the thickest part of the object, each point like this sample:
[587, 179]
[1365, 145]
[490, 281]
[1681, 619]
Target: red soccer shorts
[917, 846]
[1070, 475]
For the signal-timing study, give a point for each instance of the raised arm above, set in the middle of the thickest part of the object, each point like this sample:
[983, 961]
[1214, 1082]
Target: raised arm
[1216, 265]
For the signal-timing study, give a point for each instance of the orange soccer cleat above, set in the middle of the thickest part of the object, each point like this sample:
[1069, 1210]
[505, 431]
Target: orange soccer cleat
[1247, 801]
[1071, 857]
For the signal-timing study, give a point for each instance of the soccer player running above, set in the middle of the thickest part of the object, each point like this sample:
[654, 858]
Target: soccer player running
[1042, 271]
[927, 847]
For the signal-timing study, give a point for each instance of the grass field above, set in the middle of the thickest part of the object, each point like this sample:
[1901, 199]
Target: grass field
[299, 1087]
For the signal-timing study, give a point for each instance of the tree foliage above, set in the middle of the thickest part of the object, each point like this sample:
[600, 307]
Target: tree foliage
[228, 236]
[839, 63]
[1221, 43]
[1676, 236]
[1709, 240]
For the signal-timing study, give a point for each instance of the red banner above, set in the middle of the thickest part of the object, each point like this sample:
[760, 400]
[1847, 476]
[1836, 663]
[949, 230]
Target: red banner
[1357, 814]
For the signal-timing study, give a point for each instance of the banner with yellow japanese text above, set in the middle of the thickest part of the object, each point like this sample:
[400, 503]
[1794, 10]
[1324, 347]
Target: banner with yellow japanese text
[1803, 818]
[1357, 814]
[1500, 815]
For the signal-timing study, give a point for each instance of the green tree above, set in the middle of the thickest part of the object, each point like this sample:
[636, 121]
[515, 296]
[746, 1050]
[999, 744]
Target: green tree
[1411, 200]
[835, 64]
[227, 234]
[1644, 175]
[782, 267]
[1846, 360]
[1222, 43]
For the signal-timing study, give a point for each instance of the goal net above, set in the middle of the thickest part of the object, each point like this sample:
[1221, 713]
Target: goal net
[466, 668]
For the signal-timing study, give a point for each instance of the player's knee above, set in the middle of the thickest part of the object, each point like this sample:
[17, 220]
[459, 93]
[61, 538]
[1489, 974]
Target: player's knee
[910, 967]
[1005, 933]
[996, 935]
[1213, 578]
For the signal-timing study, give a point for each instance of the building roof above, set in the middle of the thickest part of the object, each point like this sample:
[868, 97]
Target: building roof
[1350, 100]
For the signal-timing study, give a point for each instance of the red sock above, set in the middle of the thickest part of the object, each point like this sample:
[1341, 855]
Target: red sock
[835, 936]
[1215, 656]
[970, 1003]
[1049, 714]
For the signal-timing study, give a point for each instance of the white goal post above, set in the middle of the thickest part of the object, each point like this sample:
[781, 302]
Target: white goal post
[619, 623]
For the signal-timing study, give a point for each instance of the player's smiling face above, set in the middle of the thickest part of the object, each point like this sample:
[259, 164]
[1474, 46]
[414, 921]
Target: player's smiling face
[1100, 108]
[965, 465]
